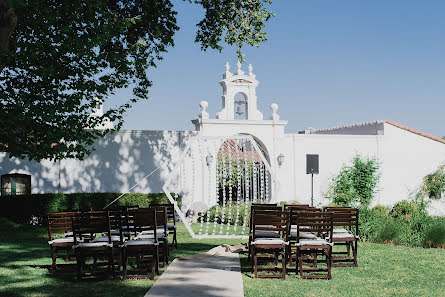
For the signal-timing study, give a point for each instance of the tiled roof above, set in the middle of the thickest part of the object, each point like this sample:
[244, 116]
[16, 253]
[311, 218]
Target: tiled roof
[415, 131]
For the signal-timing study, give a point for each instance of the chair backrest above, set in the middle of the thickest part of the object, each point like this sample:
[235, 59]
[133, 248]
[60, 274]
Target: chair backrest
[320, 222]
[296, 206]
[270, 220]
[170, 211]
[60, 222]
[161, 217]
[294, 210]
[345, 217]
[115, 216]
[264, 204]
[90, 223]
[257, 206]
[138, 220]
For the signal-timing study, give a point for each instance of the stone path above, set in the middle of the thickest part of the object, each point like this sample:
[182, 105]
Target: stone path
[206, 276]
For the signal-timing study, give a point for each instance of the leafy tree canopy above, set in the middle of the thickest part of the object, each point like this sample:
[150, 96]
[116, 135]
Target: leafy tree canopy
[59, 60]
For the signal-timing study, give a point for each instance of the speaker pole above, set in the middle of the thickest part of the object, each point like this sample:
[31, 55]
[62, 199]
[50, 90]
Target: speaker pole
[312, 190]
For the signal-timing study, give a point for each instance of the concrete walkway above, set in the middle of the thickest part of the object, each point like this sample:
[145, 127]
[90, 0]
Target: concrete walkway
[206, 276]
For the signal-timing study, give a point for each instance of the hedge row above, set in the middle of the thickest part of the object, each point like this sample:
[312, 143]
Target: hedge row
[31, 209]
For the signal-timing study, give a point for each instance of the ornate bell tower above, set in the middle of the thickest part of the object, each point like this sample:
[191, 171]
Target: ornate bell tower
[234, 83]
[226, 124]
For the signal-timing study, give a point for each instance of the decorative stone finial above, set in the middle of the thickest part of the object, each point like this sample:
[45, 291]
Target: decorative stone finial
[250, 69]
[238, 70]
[227, 73]
[204, 114]
[274, 108]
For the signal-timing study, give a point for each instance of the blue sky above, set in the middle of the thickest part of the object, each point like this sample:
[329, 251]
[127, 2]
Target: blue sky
[326, 63]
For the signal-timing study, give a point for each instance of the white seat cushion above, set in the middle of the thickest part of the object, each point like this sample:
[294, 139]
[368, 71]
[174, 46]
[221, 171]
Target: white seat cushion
[306, 235]
[118, 232]
[271, 241]
[294, 227]
[171, 226]
[317, 241]
[345, 235]
[114, 238]
[160, 232]
[341, 230]
[92, 244]
[134, 242]
[70, 234]
[62, 240]
[150, 236]
[267, 233]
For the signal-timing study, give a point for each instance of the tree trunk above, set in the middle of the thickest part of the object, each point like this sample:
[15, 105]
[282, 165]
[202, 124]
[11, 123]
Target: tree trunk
[8, 21]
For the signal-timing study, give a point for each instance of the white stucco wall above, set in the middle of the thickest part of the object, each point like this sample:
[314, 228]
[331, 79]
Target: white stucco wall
[333, 151]
[407, 158]
[119, 161]
[123, 159]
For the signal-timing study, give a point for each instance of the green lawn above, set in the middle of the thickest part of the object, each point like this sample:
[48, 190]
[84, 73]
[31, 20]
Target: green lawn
[383, 271]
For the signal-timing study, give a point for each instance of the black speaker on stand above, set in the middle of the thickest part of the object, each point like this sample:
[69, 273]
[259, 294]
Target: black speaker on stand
[312, 168]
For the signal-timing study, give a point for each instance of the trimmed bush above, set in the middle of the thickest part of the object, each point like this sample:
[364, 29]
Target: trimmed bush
[435, 235]
[32, 209]
[405, 209]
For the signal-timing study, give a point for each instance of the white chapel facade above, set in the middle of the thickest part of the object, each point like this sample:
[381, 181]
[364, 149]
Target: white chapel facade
[124, 158]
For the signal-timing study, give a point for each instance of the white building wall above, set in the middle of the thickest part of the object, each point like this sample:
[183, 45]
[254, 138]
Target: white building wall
[334, 151]
[119, 161]
[408, 157]
[123, 159]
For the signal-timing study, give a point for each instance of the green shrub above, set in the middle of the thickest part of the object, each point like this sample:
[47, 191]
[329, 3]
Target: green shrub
[405, 209]
[383, 210]
[435, 235]
[32, 209]
[355, 184]
[389, 232]
[434, 184]
[371, 221]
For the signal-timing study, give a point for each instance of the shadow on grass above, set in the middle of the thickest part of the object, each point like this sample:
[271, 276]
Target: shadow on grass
[25, 261]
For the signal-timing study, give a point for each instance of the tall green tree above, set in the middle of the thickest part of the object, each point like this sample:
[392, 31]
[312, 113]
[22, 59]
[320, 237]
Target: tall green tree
[59, 60]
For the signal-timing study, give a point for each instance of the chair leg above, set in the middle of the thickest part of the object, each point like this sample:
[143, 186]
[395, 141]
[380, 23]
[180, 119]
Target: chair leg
[328, 253]
[249, 249]
[175, 241]
[124, 263]
[156, 259]
[300, 263]
[111, 260]
[255, 263]
[354, 253]
[53, 257]
[165, 254]
[283, 263]
[79, 259]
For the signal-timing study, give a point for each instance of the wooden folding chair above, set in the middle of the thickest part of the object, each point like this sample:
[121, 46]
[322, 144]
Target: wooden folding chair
[345, 233]
[171, 220]
[60, 222]
[293, 213]
[85, 226]
[162, 232]
[264, 233]
[320, 223]
[263, 247]
[144, 250]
